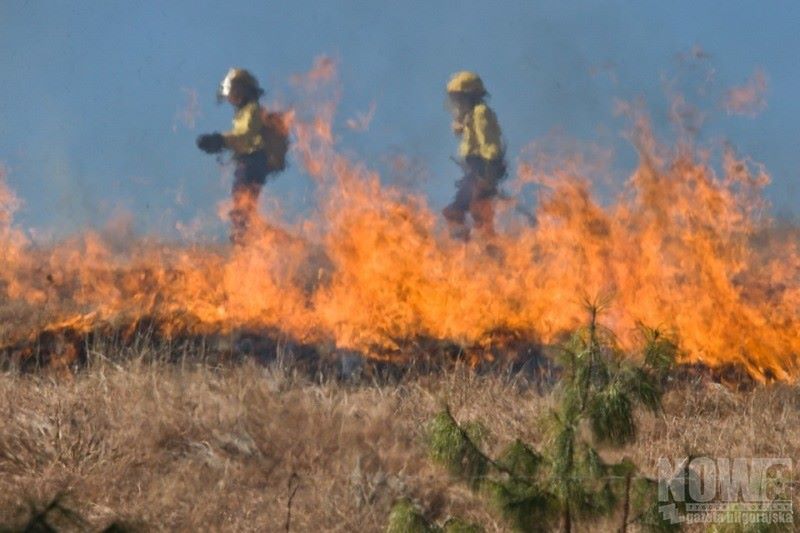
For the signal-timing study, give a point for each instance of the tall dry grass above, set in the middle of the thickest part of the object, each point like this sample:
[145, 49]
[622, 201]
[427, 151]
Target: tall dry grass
[187, 446]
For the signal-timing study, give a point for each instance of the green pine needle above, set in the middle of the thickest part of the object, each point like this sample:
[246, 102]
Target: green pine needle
[453, 447]
[406, 518]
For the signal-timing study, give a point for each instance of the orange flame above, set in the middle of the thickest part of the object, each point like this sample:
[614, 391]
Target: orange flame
[684, 247]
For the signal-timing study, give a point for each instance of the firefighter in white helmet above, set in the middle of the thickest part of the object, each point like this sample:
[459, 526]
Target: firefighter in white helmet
[481, 155]
[258, 142]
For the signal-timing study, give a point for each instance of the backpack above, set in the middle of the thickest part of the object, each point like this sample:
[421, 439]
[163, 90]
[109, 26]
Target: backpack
[275, 132]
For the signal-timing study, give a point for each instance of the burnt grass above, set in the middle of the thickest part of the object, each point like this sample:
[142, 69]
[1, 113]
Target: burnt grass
[126, 429]
[509, 353]
[71, 350]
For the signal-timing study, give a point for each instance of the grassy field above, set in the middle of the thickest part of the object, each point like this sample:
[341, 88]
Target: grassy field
[246, 447]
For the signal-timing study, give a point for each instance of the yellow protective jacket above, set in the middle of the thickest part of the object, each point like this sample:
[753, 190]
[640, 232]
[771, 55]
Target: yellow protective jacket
[480, 134]
[246, 136]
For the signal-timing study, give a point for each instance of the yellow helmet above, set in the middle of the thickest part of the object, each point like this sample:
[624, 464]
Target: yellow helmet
[466, 82]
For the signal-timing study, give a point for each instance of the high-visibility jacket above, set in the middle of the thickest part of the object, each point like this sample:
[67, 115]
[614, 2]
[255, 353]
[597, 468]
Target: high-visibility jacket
[246, 137]
[481, 135]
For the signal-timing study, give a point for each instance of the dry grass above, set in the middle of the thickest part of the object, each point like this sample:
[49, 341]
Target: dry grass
[189, 447]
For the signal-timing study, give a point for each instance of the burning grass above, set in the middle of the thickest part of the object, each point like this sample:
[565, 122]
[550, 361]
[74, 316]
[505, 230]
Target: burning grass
[187, 445]
[688, 246]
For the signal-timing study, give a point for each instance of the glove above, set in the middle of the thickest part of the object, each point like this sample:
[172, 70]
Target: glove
[211, 143]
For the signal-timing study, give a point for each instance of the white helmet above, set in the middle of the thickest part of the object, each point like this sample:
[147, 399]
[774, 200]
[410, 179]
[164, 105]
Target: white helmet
[238, 76]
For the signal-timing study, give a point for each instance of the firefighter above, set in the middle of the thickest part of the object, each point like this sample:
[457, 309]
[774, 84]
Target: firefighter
[481, 156]
[257, 142]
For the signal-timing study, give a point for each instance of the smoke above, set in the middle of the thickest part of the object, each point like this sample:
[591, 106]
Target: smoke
[188, 115]
[361, 121]
[9, 203]
[748, 99]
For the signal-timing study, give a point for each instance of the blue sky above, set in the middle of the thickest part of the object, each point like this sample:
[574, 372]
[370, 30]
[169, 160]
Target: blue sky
[91, 89]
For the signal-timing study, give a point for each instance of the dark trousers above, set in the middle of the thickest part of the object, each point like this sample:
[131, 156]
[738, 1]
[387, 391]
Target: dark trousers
[474, 195]
[249, 178]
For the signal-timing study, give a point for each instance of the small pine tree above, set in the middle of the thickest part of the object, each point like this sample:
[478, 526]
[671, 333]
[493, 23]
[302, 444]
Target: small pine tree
[603, 388]
[599, 389]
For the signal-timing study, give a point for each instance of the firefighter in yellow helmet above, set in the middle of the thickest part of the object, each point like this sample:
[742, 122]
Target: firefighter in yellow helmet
[257, 141]
[481, 155]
